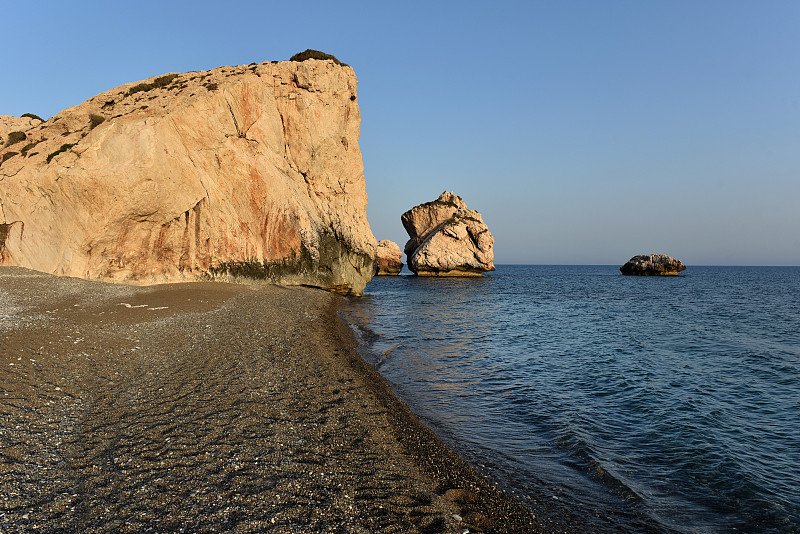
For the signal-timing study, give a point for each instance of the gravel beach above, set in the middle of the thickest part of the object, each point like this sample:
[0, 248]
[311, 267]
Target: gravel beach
[211, 407]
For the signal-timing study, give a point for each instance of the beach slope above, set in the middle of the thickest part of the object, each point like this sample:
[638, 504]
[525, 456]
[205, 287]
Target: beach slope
[208, 407]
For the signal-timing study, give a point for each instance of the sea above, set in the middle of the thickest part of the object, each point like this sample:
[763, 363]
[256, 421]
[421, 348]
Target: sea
[606, 403]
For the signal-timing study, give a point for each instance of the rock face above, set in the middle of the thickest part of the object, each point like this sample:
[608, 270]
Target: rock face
[447, 239]
[10, 124]
[250, 171]
[421, 220]
[389, 258]
[653, 265]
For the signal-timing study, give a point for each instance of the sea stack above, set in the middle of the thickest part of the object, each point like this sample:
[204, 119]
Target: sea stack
[238, 172]
[652, 265]
[389, 258]
[447, 239]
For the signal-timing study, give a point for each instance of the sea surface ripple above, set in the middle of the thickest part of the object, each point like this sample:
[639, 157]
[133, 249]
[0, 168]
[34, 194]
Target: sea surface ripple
[607, 402]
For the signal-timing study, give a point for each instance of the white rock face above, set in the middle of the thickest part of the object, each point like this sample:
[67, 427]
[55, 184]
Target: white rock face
[447, 239]
[250, 171]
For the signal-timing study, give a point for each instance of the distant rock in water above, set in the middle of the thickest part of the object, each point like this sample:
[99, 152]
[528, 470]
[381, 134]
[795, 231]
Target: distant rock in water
[653, 265]
[447, 239]
[389, 258]
[238, 172]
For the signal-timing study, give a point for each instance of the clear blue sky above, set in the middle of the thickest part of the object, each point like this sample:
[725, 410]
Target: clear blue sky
[584, 131]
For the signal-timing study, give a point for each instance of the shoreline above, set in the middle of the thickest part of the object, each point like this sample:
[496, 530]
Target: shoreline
[482, 505]
[211, 407]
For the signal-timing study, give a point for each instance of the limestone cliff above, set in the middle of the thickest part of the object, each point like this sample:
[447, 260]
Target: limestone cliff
[250, 171]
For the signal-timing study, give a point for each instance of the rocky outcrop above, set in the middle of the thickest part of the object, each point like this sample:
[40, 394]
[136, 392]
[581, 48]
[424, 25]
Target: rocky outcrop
[652, 265]
[447, 239]
[389, 258]
[251, 171]
[10, 124]
[421, 220]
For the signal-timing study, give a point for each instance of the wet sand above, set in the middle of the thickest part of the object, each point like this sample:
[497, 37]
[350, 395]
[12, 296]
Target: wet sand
[211, 407]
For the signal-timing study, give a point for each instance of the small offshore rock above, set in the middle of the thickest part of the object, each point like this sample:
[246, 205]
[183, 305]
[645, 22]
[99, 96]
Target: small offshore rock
[653, 265]
[389, 258]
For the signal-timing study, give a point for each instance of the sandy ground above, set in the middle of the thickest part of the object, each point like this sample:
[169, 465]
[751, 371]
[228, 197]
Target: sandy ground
[211, 407]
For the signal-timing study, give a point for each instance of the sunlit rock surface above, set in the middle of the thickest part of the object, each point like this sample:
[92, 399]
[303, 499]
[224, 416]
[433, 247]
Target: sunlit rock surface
[251, 171]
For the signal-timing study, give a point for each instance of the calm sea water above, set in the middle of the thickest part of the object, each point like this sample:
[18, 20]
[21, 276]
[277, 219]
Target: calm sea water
[607, 403]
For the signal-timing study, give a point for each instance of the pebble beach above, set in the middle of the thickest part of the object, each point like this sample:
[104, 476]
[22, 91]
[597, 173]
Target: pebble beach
[212, 407]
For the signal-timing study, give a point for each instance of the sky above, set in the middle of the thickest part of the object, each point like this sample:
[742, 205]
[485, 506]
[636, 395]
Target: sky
[585, 132]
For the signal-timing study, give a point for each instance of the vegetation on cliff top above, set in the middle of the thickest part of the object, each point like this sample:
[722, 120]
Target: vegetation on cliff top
[161, 81]
[315, 54]
[32, 116]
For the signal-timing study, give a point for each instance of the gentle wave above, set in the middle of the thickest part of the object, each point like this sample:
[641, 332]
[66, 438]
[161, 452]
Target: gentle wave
[644, 403]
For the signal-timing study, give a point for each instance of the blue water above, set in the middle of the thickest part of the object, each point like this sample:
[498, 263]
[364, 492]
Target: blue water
[604, 402]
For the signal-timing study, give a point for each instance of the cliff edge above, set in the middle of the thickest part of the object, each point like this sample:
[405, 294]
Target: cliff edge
[251, 171]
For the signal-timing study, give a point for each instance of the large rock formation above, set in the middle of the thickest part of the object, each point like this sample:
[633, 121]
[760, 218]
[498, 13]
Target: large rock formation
[389, 258]
[447, 239]
[652, 265]
[250, 171]
[421, 220]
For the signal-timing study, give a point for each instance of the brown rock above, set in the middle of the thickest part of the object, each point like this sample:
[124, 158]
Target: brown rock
[389, 258]
[447, 239]
[653, 265]
[250, 171]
